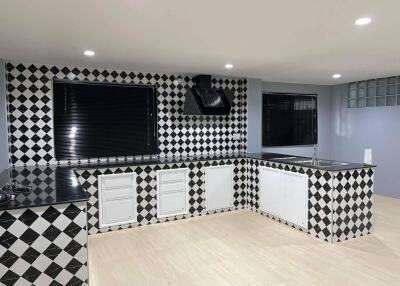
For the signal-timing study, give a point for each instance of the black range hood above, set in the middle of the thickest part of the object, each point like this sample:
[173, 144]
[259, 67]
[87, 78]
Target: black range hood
[202, 99]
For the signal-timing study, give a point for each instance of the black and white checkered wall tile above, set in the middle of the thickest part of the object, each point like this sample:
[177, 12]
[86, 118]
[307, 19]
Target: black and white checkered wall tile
[319, 195]
[47, 246]
[352, 204]
[252, 183]
[29, 93]
[147, 191]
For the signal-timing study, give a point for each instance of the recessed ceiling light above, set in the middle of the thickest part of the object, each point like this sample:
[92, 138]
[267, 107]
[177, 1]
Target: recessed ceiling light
[229, 66]
[363, 21]
[337, 75]
[89, 53]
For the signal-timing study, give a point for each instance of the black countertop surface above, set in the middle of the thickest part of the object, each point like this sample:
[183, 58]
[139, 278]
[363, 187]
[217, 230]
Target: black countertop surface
[280, 158]
[58, 184]
[50, 185]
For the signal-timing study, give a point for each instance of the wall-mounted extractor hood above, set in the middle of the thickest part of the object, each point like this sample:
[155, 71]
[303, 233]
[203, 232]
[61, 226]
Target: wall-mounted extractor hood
[202, 99]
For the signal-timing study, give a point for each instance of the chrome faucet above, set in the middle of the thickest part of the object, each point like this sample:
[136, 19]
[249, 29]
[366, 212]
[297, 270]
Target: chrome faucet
[314, 157]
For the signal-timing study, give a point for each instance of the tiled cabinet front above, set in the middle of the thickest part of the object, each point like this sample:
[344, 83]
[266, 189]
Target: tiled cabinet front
[146, 191]
[327, 192]
[44, 245]
[339, 203]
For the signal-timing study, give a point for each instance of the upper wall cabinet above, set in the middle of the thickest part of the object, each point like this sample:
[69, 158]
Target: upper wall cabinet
[219, 187]
[172, 192]
[117, 199]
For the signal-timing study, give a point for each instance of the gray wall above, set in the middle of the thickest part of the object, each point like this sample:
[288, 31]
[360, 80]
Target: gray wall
[324, 118]
[254, 115]
[3, 120]
[355, 129]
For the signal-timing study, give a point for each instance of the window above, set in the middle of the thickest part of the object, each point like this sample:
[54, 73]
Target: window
[374, 92]
[289, 119]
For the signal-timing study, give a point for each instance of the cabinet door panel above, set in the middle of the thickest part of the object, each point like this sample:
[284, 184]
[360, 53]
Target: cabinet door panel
[118, 211]
[117, 199]
[172, 192]
[219, 187]
[294, 198]
[270, 195]
[172, 203]
[284, 194]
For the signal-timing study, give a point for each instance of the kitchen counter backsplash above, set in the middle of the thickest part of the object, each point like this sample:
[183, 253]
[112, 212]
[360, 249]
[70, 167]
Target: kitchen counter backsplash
[30, 114]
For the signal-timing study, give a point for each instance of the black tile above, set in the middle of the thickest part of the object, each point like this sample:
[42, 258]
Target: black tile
[9, 278]
[75, 281]
[6, 220]
[30, 255]
[31, 274]
[51, 233]
[7, 239]
[51, 214]
[29, 236]
[53, 270]
[72, 229]
[71, 212]
[52, 251]
[28, 217]
[8, 259]
[73, 266]
[73, 248]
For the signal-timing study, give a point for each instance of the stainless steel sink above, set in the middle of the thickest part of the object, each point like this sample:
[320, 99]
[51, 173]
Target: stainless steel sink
[285, 158]
[310, 162]
[322, 163]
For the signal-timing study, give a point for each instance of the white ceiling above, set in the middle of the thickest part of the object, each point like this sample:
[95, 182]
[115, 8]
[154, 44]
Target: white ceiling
[302, 41]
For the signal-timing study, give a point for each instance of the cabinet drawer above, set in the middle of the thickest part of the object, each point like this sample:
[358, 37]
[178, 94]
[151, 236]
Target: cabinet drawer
[172, 203]
[116, 181]
[118, 211]
[173, 176]
[172, 187]
[117, 193]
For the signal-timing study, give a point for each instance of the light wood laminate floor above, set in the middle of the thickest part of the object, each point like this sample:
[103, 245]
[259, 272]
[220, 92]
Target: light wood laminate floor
[245, 248]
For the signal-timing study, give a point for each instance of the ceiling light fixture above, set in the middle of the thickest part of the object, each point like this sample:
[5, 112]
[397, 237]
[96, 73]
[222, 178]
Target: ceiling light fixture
[337, 75]
[363, 21]
[229, 66]
[89, 53]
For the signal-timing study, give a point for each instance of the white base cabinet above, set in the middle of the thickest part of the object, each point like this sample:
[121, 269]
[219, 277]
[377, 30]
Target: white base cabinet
[172, 192]
[219, 187]
[284, 194]
[117, 199]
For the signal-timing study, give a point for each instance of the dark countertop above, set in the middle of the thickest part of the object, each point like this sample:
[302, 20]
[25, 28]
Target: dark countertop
[279, 158]
[51, 185]
[161, 160]
[56, 184]
[273, 157]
